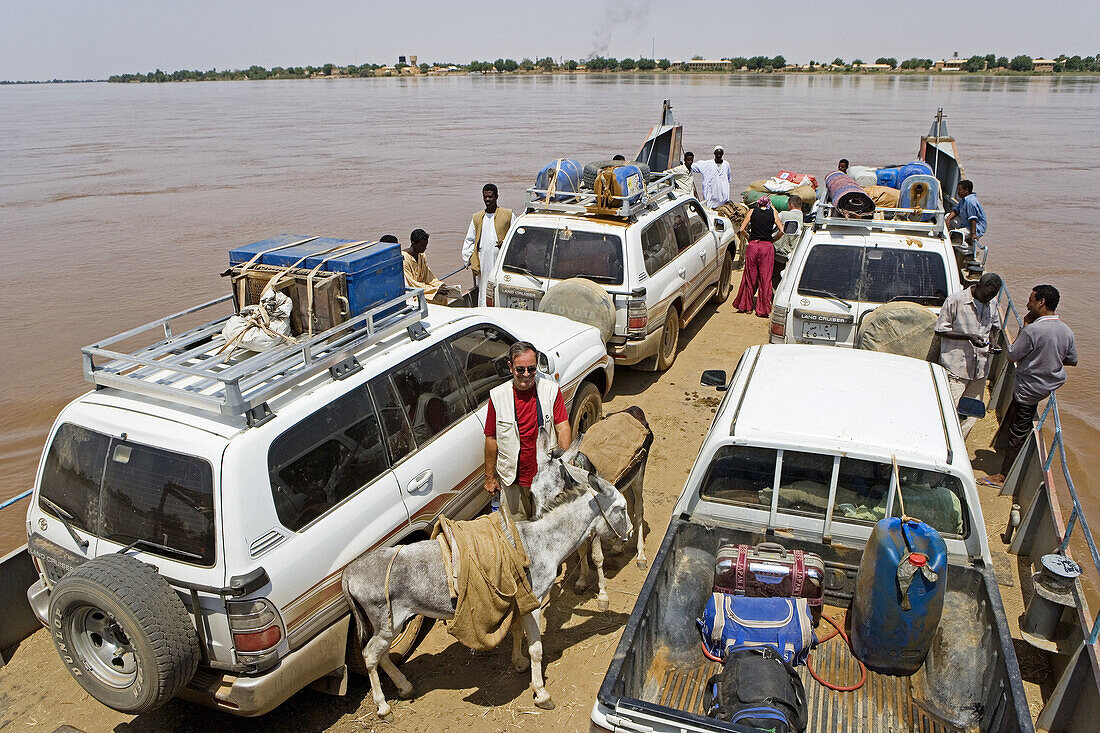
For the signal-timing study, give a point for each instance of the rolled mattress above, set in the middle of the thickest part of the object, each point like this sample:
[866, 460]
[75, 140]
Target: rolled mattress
[847, 195]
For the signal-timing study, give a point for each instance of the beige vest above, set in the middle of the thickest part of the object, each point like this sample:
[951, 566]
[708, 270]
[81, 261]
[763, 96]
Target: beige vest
[502, 220]
[504, 404]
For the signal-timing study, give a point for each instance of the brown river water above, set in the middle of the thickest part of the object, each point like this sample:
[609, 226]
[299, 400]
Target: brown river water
[118, 202]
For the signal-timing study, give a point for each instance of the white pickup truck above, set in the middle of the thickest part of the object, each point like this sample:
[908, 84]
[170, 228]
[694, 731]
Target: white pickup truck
[800, 452]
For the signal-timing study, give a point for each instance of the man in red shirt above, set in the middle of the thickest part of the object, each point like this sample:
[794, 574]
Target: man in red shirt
[519, 411]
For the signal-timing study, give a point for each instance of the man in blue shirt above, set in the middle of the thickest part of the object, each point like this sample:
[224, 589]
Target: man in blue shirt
[969, 212]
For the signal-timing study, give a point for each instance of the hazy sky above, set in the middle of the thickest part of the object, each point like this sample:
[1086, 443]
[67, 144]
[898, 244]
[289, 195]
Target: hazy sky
[76, 39]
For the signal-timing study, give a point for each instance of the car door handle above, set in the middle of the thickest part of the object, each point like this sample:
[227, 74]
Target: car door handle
[420, 483]
[703, 254]
[681, 272]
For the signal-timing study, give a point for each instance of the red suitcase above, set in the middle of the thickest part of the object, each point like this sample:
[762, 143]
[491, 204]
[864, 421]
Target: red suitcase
[769, 570]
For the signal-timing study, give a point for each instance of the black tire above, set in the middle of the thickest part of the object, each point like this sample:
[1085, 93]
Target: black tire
[670, 340]
[404, 644]
[591, 170]
[123, 633]
[725, 287]
[587, 409]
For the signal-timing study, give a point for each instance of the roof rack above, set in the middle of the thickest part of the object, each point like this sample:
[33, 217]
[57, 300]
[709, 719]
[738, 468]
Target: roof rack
[892, 219]
[193, 369]
[584, 202]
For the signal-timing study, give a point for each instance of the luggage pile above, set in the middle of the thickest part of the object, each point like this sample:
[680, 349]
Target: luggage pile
[758, 622]
[291, 286]
[890, 187]
[781, 187]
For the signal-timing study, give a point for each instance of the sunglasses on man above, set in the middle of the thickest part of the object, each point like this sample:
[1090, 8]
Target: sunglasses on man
[525, 369]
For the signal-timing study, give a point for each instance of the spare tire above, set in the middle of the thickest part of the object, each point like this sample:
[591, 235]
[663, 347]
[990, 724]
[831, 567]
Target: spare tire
[123, 633]
[579, 299]
[591, 170]
[900, 328]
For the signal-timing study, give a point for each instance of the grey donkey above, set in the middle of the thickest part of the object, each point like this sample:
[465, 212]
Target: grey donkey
[418, 578]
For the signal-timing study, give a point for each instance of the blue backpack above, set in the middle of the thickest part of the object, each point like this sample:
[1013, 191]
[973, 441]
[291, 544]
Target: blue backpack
[731, 622]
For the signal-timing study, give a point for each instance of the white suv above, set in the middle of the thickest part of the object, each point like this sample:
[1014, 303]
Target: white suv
[197, 551]
[843, 269]
[658, 260]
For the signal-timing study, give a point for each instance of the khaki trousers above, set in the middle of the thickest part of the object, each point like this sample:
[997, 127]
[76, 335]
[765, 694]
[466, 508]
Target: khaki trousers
[962, 387]
[515, 500]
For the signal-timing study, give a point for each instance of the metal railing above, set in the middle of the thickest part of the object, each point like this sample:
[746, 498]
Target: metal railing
[1058, 442]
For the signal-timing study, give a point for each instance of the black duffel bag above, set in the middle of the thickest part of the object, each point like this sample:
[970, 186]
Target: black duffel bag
[757, 689]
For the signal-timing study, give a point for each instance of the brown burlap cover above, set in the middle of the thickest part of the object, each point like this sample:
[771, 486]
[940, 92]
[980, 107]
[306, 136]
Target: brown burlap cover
[615, 445]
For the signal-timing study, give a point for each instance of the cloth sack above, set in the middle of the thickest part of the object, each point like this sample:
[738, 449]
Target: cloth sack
[615, 445]
[491, 590]
[732, 622]
[263, 326]
[883, 196]
[757, 689]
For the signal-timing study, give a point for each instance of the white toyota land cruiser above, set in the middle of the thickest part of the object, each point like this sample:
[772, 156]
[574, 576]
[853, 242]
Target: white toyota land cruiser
[842, 269]
[191, 518]
[658, 260]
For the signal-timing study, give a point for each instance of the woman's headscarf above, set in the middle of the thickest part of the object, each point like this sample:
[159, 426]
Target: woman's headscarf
[764, 202]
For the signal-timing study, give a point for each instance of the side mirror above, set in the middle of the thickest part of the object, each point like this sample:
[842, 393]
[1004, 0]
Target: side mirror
[714, 378]
[791, 227]
[719, 225]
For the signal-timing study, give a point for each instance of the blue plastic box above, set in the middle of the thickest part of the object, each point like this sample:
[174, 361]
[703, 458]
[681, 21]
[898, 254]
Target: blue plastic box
[373, 271]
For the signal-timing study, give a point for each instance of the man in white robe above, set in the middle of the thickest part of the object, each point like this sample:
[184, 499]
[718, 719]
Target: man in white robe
[717, 178]
[486, 233]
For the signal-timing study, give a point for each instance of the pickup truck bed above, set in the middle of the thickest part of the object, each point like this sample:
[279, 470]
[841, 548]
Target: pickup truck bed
[658, 674]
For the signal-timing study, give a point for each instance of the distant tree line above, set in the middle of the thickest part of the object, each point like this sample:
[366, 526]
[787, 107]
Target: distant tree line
[974, 64]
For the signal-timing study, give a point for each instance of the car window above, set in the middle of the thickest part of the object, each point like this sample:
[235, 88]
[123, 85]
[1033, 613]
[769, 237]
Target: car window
[804, 483]
[934, 498]
[482, 355]
[395, 423]
[862, 488]
[430, 393]
[124, 491]
[681, 228]
[658, 244]
[741, 474]
[160, 496]
[326, 458]
[73, 474]
[697, 221]
[565, 253]
[874, 274]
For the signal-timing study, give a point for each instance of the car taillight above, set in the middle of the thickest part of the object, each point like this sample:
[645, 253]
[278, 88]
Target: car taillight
[490, 287]
[637, 318]
[779, 321]
[255, 626]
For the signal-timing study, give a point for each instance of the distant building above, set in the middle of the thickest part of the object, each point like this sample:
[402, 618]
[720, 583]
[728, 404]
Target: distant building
[412, 60]
[950, 65]
[875, 67]
[402, 60]
[709, 65]
[1044, 65]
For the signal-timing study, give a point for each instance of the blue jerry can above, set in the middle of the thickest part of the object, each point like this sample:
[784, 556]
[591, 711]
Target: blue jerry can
[900, 588]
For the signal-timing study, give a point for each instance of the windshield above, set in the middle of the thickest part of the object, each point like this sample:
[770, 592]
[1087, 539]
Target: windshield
[874, 274]
[125, 492]
[564, 253]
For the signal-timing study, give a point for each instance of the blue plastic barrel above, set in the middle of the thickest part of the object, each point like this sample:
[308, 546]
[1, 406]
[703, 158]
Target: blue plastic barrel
[920, 191]
[900, 587]
[917, 167]
[565, 174]
[887, 177]
[630, 182]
